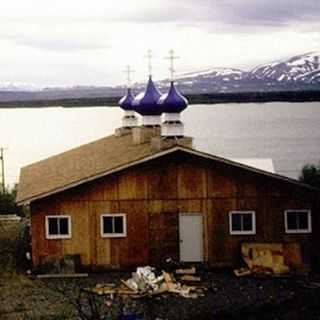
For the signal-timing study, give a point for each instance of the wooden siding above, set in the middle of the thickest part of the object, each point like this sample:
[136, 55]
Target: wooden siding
[152, 195]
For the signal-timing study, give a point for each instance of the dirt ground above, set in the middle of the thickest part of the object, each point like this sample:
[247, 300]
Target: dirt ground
[226, 296]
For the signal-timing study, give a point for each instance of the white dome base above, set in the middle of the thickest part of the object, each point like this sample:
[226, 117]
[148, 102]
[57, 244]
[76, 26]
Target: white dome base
[167, 117]
[172, 129]
[151, 121]
[129, 119]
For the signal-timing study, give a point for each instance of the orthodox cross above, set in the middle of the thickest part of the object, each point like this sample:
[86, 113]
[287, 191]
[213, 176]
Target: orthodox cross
[171, 57]
[128, 71]
[149, 57]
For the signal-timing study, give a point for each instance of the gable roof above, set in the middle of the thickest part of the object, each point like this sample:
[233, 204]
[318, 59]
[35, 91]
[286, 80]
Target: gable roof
[100, 158]
[265, 164]
[76, 165]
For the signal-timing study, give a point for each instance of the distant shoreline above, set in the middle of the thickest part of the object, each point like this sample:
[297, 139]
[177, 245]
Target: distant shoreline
[210, 98]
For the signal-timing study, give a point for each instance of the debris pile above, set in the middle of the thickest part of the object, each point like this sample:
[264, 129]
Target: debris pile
[147, 282]
[270, 258]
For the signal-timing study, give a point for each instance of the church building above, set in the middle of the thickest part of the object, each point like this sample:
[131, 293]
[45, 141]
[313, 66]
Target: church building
[145, 194]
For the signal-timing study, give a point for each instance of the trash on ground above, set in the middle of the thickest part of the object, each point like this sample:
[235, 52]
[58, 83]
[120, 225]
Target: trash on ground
[271, 259]
[190, 278]
[242, 272]
[191, 270]
[146, 281]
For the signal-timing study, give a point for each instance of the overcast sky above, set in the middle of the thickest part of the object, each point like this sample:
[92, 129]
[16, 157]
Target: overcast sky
[61, 42]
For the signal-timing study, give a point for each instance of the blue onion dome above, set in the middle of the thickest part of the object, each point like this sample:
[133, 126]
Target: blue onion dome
[125, 102]
[146, 103]
[173, 101]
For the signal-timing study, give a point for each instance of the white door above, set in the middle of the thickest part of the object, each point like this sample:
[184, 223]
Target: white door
[191, 237]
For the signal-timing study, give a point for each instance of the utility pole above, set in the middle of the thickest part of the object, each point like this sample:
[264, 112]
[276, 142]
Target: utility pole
[3, 183]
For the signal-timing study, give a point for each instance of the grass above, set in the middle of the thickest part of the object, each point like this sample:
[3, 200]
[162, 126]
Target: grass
[9, 233]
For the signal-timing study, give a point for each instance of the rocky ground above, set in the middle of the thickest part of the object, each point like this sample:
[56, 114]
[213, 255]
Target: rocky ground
[226, 296]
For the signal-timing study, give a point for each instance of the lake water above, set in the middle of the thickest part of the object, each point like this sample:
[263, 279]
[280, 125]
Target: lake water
[289, 133]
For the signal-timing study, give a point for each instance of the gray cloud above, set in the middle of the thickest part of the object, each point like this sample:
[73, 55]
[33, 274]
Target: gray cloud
[60, 44]
[46, 36]
[266, 13]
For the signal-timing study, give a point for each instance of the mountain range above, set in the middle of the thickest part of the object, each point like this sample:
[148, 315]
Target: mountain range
[301, 72]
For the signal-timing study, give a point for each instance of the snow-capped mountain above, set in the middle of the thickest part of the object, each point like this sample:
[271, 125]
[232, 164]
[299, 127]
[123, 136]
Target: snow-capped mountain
[19, 86]
[209, 80]
[300, 72]
[296, 73]
[303, 69]
[225, 73]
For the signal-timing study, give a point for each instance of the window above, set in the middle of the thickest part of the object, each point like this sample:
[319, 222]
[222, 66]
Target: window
[242, 222]
[58, 227]
[113, 225]
[297, 221]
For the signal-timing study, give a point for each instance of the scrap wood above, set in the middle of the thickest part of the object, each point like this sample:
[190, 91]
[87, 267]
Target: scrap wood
[169, 282]
[190, 278]
[129, 285]
[265, 258]
[109, 291]
[163, 288]
[103, 285]
[184, 292]
[61, 275]
[242, 272]
[191, 270]
[191, 288]
[145, 283]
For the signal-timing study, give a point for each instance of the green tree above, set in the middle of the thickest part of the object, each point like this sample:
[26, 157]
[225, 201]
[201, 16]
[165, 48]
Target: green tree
[311, 175]
[8, 203]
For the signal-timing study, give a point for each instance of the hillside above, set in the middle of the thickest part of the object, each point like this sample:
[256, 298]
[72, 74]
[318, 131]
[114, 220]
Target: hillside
[298, 73]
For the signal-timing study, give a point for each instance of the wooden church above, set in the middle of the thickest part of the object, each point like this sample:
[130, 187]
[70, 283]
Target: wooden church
[145, 194]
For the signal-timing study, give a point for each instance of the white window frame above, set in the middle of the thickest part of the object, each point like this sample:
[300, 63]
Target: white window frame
[243, 232]
[309, 230]
[114, 235]
[58, 236]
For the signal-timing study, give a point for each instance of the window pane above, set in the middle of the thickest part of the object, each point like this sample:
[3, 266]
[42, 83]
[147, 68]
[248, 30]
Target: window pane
[118, 224]
[107, 225]
[64, 226]
[236, 222]
[247, 222]
[53, 226]
[303, 220]
[292, 221]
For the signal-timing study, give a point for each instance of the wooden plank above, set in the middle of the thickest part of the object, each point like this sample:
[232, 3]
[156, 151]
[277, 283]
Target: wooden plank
[134, 247]
[220, 181]
[62, 275]
[103, 245]
[164, 237]
[190, 278]
[191, 180]
[162, 179]
[127, 185]
[191, 270]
